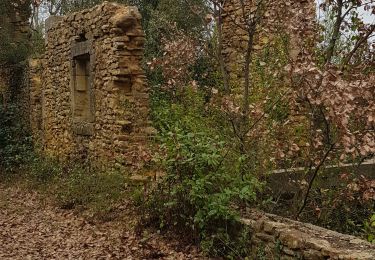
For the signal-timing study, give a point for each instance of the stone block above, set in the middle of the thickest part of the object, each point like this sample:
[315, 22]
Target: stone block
[51, 21]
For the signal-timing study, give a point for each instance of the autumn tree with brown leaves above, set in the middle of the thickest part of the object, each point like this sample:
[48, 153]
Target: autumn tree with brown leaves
[331, 101]
[339, 97]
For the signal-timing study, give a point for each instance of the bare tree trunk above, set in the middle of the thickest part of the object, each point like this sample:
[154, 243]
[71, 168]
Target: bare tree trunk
[224, 72]
[251, 25]
[335, 33]
[36, 16]
[247, 75]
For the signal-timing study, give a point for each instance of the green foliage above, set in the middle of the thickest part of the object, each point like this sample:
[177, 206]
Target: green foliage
[203, 187]
[99, 192]
[76, 186]
[10, 52]
[369, 229]
[188, 114]
[261, 252]
[38, 43]
[43, 170]
[199, 191]
[15, 141]
[138, 196]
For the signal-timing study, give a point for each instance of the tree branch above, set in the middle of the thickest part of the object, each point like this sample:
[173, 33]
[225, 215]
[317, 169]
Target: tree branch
[315, 173]
[357, 45]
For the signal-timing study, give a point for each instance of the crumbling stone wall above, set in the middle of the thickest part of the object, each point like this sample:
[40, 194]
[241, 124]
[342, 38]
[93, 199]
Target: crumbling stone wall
[19, 17]
[15, 25]
[291, 18]
[274, 237]
[89, 94]
[34, 85]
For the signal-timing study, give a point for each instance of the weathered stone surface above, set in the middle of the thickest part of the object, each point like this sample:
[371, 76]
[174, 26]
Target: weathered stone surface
[293, 239]
[297, 240]
[51, 21]
[89, 93]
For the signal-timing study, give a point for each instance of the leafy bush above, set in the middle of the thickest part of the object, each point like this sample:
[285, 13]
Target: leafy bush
[369, 228]
[43, 170]
[12, 53]
[15, 141]
[204, 187]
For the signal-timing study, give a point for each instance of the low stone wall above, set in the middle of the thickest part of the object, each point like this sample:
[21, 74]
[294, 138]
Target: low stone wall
[274, 237]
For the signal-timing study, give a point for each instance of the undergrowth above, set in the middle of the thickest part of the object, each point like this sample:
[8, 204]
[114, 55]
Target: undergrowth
[97, 195]
[205, 184]
[15, 141]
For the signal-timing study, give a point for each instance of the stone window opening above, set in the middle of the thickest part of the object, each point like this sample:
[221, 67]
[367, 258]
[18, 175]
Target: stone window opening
[81, 92]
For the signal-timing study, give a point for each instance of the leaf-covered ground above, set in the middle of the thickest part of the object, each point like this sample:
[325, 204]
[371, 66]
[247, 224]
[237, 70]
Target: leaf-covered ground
[32, 228]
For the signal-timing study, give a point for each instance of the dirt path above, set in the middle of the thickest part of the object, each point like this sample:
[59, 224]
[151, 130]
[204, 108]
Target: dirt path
[32, 229]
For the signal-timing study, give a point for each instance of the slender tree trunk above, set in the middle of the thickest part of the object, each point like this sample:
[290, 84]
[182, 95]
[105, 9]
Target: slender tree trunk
[335, 33]
[246, 72]
[224, 72]
[311, 182]
[36, 17]
[250, 28]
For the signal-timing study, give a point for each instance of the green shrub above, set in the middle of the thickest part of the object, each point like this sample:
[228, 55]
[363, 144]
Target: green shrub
[75, 186]
[43, 170]
[369, 229]
[15, 141]
[96, 192]
[207, 179]
[202, 190]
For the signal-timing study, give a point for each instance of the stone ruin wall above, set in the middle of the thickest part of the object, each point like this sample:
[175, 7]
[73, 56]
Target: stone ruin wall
[274, 237]
[291, 18]
[34, 84]
[89, 97]
[12, 76]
